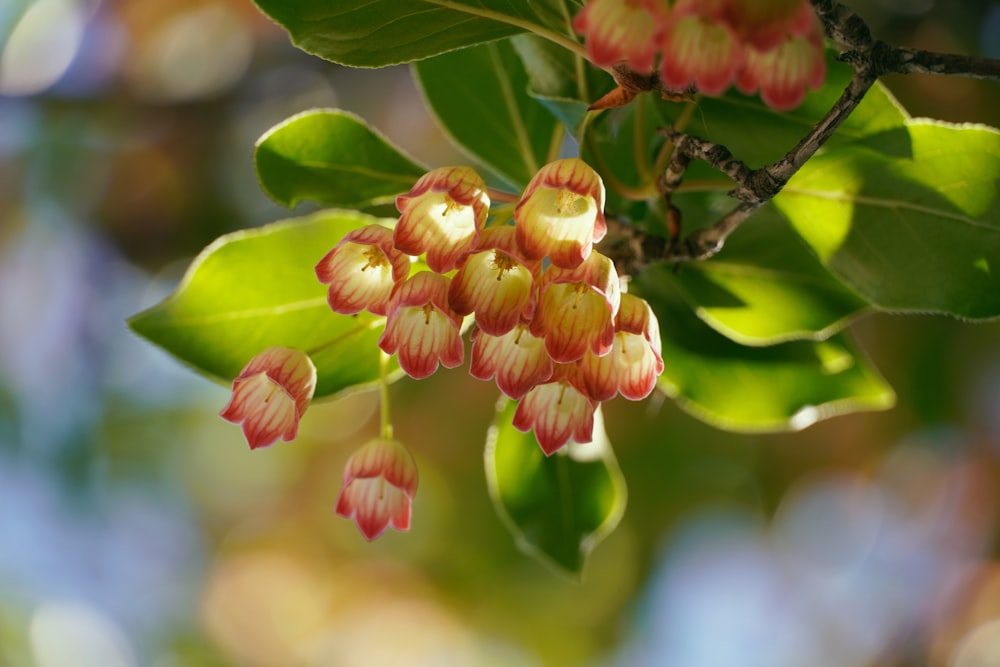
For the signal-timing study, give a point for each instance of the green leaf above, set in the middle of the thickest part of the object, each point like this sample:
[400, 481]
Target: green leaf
[764, 289]
[376, 33]
[909, 218]
[753, 389]
[561, 80]
[480, 98]
[333, 158]
[558, 507]
[256, 288]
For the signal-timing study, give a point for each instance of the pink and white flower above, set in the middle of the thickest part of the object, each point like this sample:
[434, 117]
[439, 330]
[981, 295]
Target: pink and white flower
[495, 283]
[635, 360]
[517, 359]
[442, 216]
[700, 48]
[380, 480]
[622, 31]
[558, 410]
[577, 307]
[361, 271]
[422, 327]
[561, 213]
[270, 395]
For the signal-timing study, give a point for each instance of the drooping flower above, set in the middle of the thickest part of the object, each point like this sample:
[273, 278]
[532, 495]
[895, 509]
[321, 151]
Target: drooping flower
[517, 359]
[635, 360]
[794, 64]
[622, 31]
[764, 24]
[577, 307]
[561, 213]
[495, 283]
[442, 215]
[361, 270]
[380, 480]
[557, 410]
[270, 395]
[422, 327]
[700, 48]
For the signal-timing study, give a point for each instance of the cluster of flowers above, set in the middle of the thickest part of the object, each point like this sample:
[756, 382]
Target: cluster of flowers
[775, 47]
[553, 327]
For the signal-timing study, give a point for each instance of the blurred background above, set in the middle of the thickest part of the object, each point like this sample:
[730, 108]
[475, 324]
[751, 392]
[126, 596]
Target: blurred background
[136, 527]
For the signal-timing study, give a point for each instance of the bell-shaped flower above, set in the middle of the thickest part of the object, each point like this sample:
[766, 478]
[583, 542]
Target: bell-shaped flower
[557, 410]
[784, 72]
[622, 31]
[362, 270]
[442, 216]
[576, 309]
[270, 395]
[422, 328]
[700, 48]
[635, 360]
[495, 283]
[561, 213]
[517, 359]
[380, 480]
[763, 25]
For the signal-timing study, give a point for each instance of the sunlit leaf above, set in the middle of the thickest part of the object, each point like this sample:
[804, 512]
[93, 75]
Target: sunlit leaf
[780, 387]
[256, 288]
[480, 97]
[558, 507]
[909, 218]
[376, 33]
[765, 288]
[333, 158]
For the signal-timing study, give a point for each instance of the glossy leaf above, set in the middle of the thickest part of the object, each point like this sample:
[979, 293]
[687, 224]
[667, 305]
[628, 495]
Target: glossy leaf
[751, 389]
[480, 97]
[765, 288]
[256, 288]
[376, 33]
[909, 218]
[558, 507]
[333, 158]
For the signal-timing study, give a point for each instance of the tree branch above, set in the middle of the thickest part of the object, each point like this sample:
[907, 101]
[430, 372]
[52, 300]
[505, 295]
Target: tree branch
[870, 58]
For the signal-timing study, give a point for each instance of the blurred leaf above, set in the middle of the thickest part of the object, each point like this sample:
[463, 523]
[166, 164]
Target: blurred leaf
[480, 98]
[256, 288]
[558, 507]
[376, 33]
[751, 389]
[763, 288]
[333, 158]
[909, 218]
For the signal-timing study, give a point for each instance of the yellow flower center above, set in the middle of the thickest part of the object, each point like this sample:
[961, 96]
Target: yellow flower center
[375, 258]
[566, 202]
[501, 264]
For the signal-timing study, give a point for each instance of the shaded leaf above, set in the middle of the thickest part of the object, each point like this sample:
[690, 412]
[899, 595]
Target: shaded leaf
[256, 288]
[751, 389]
[558, 507]
[333, 158]
[480, 98]
[909, 218]
[376, 33]
[764, 289]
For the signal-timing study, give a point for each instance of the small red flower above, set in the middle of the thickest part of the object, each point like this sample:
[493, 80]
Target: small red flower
[362, 270]
[577, 307]
[380, 480]
[561, 213]
[517, 359]
[270, 395]
[422, 327]
[495, 283]
[442, 215]
[635, 360]
[557, 410]
[699, 48]
[784, 72]
[622, 31]
[764, 24]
